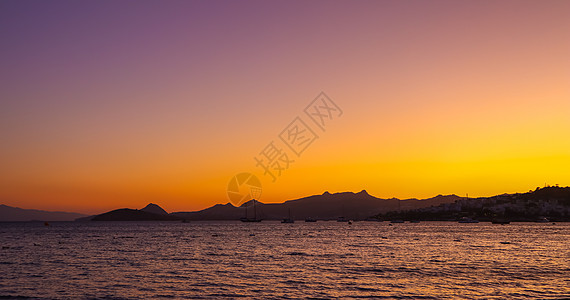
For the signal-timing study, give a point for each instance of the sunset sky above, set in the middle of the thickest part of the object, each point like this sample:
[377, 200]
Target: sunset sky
[110, 104]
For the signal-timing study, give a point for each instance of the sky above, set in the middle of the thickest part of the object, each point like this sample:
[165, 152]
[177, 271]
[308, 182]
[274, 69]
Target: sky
[111, 104]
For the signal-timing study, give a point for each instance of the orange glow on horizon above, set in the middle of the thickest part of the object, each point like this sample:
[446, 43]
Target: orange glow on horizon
[440, 98]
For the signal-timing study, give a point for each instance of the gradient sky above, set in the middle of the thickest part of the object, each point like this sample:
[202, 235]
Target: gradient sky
[110, 104]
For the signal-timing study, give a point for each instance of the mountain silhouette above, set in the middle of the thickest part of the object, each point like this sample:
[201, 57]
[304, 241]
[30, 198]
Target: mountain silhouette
[356, 206]
[552, 202]
[16, 214]
[155, 209]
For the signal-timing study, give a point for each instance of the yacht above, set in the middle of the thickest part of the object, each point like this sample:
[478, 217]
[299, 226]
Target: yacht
[289, 219]
[255, 219]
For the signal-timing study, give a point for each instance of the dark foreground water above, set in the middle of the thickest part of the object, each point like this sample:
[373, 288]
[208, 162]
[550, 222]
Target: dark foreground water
[148, 260]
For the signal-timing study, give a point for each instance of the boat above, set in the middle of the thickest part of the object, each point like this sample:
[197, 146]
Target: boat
[249, 220]
[500, 221]
[255, 219]
[542, 220]
[310, 220]
[414, 221]
[467, 220]
[397, 221]
[289, 219]
[341, 219]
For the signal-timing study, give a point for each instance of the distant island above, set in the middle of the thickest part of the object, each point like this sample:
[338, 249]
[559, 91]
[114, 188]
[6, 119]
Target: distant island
[548, 203]
[151, 212]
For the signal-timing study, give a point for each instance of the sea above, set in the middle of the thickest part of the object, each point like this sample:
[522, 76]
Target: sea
[270, 260]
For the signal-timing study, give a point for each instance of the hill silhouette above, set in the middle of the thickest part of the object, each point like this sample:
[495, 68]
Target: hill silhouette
[355, 206]
[151, 212]
[127, 214]
[16, 214]
[542, 204]
[155, 209]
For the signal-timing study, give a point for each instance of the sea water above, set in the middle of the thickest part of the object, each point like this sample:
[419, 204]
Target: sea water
[270, 260]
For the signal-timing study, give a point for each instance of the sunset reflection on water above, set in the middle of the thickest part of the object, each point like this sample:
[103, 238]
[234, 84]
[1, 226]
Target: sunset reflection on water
[273, 260]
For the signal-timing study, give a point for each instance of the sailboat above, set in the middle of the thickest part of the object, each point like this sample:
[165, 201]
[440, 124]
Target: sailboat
[289, 219]
[255, 219]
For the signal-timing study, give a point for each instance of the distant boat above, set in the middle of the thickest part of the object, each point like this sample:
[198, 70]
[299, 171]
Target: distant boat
[310, 220]
[341, 219]
[542, 220]
[255, 219]
[397, 221]
[289, 219]
[467, 220]
[414, 221]
[500, 221]
[249, 220]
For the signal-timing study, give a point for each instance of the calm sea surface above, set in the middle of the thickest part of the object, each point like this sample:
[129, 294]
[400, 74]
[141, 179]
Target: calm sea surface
[150, 260]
